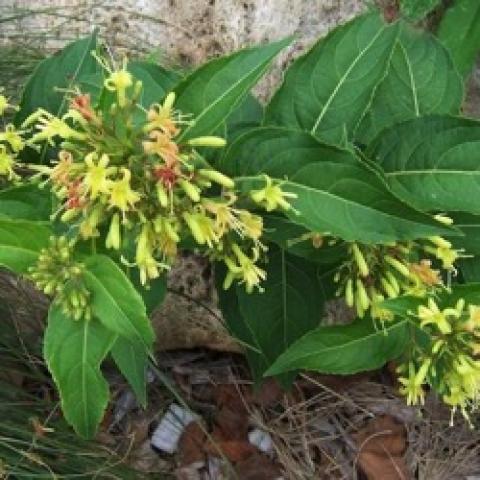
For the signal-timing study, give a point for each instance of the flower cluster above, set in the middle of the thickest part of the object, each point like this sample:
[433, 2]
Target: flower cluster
[56, 273]
[126, 174]
[373, 273]
[448, 362]
[11, 143]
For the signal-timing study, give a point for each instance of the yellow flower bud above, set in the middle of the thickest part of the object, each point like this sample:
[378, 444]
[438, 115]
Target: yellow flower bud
[362, 296]
[191, 190]
[398, 265]
[162, 195]
[113, 237]
[360, 260]
[217, 177]
[213, 142]
[443, 219]
[440, 242]
[349, 300]
[387, 288]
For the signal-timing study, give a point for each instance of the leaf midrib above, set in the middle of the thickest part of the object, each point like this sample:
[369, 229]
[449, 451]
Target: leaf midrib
[343, 79]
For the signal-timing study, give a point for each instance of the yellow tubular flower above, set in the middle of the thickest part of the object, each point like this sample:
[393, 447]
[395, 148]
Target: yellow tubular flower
[3, 104]
[50, 127]
[161, 145]
[119, 81]
[96, 179]
[13, 138]
[411, 388]
[160, 117]
[251, 224]
[201, 227]
[272, 196]
[246, 269]
[7, 163]
[432, 315]
[121, 194]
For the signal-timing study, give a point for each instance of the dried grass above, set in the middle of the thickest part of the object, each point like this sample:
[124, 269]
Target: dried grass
[314, 438]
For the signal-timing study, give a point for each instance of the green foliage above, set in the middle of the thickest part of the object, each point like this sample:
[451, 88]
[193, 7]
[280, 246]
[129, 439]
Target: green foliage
[74, 351]
[115, 302]
[212, 92]
[459, 31]
[26, 202]
[342, 350]
[328, 90]
[417, 9]
[335, 192]
[268, 322]
[56, 74]
[421, 80]
[21, 242]
[428, 161]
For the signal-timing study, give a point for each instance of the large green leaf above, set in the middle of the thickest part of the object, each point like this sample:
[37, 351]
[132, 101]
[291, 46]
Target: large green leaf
[345, 349]
[74, 351]
[421, 80]
[352, 203]
[328, 90]
[213, 91]
[279, 152]
[433, 162]
[21, 242]
[115, 302]
[459, 31]
[131, 358]
[291, 304]
[26, 202]
[57, 74]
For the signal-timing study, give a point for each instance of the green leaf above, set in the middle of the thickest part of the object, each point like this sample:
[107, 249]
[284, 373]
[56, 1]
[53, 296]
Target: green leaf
[352, 203]
[131, 359]
[469, 225]
[248, 115]
[432, 162]
[470, 268]
[26, 202]
[459, 31]
[417, 9]
[21, 242]
[279, 152]
[421, 80]
[58, 73]
[291, 305]
[344, 349]
[213, 91]
[328, 90]
[74, 351]
[115, 302]
[240, 327]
